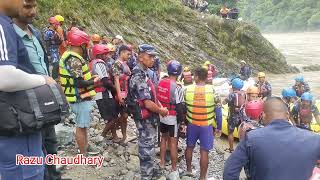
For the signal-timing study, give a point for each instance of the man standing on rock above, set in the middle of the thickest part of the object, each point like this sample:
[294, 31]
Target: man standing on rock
[203, 107]
[144, 106]
[275, 152]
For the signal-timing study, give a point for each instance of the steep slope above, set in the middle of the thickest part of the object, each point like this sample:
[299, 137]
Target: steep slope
[175, 30]
[282, 15]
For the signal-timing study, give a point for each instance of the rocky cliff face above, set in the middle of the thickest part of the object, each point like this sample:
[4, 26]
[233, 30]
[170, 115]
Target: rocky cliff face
[177, 32]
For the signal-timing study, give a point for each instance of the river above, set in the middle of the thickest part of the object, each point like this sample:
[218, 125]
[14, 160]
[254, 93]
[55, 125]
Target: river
[300, 49]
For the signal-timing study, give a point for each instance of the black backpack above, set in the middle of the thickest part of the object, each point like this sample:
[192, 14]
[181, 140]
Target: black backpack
[29, 111]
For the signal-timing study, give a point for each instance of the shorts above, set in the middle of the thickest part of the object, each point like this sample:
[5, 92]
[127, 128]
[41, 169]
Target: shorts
[82, 110]
[233, 122]
[171, 129]
[107, 108]
[202, 133]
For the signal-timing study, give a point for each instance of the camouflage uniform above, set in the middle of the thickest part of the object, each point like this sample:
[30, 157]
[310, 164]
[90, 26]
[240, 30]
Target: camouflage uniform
[139, 90]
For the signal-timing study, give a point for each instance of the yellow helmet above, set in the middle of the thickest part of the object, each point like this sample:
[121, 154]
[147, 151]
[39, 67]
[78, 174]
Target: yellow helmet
[261, 74]
[205, 67]
[207, 63]
[186, 69]
[111, 47]
[59, 18]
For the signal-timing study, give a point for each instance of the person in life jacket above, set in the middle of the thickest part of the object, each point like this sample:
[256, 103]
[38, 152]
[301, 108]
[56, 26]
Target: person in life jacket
[110, 60]
[121, 73]
[203, 107]
[236, 102]
[289, 97]
[265, 89]
[304, 112]
[53, 41]
[186, 76]
[78, 83]
[252, 121]
[62, 34]
[145, 108]
[301, 86]
[105, 90]
[170, 95]
[252, 93]
[95, 39]
[212, 72]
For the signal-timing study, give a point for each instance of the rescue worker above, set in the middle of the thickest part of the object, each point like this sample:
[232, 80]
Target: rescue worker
[212, 72]
[245, 71]
[133, 58]
[154, 72]
[224, 11]
[53, 41]
[112, 51]
[170, 96]
[236, 101]
[105, 89]
[186, 76]
[96, 39]
[289, 96]
[301, 86]
[121, 73]
[145, 108]
[203, 106]
[277, 151]
[304, 111]
[252, 93]
[265, 89]
[77, 82]
[62, 34]
[254, 110]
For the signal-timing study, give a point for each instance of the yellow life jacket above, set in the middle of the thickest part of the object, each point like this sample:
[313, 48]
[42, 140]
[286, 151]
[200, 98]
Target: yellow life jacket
[200, 104]
[74, 94]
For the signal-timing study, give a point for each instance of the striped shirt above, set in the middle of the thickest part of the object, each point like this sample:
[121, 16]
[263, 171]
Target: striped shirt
[102, 71]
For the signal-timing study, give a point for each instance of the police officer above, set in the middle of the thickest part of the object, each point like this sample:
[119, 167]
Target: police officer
[144, 106]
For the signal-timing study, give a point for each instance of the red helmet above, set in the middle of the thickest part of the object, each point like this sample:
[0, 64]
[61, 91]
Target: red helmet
[78, 38]
[54, 21]
[99, 49]
[254, 109]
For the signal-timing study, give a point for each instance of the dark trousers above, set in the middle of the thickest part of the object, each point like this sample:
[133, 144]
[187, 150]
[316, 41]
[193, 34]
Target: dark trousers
[50, 145]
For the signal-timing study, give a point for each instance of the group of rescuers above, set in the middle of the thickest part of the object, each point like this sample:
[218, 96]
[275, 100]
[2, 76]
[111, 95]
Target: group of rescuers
[189, 110]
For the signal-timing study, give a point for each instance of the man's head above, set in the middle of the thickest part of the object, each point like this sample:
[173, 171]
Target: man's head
[261, 77]
[100, 51]
[306, 99]
[12, 7]
[146, 55]
[60, 19]
[79, 42]
[118, 40]
[200, 75]
[252, 93]
[27, 13]
[243, 63]
[274, 109]
[124, 52]
[174, 68]
[299, 80]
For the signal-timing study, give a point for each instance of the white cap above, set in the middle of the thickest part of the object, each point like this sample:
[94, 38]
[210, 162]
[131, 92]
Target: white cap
[119, 37]
[243, 62]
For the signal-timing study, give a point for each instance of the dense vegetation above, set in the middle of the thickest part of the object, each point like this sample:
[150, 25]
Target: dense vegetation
[175, 30]
[277, 15]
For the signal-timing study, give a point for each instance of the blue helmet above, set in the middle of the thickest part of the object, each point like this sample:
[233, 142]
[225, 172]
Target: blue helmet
[174, 68]
[299, 79]
[306, 96]
[237, 83]
[289, 93]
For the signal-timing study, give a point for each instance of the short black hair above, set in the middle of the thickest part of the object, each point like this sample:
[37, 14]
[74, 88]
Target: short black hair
[201, 73]
[123, 48]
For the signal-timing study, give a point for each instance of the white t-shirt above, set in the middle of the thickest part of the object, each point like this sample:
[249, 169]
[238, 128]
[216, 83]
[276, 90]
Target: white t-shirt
[102, 72]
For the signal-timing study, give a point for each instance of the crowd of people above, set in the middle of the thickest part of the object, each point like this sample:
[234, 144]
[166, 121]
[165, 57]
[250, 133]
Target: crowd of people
[124, 80]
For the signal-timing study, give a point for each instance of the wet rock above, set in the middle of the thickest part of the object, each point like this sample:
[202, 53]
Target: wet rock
[64, 134]
[173, 176]
[124, 171]
[162, 178]
[130, 175]
[133, 164]
[186, 178]
[91, 131]
[120, 150]
[133, 149]
[98, 139]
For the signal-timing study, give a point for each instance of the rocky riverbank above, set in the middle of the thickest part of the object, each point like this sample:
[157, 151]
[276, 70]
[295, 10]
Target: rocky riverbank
[121, 160]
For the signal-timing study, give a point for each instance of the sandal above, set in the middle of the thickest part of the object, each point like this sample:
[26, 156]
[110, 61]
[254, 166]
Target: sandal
[229, 150]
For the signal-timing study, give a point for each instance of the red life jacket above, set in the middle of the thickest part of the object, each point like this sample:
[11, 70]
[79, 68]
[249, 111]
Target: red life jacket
[145, 113]
[187, 77]
[209, 77]
[98, 87]
[124, 78]
[166, 95]
[240, 100]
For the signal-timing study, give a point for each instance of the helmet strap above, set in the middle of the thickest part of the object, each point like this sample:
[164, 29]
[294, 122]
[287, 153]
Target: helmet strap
[84, 52]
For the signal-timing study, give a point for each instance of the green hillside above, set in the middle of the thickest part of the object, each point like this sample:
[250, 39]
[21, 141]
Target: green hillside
[282, 15]
[175, 30]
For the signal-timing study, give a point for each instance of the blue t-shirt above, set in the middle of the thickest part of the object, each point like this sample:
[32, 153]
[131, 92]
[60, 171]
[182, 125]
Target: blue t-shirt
[13, 52]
